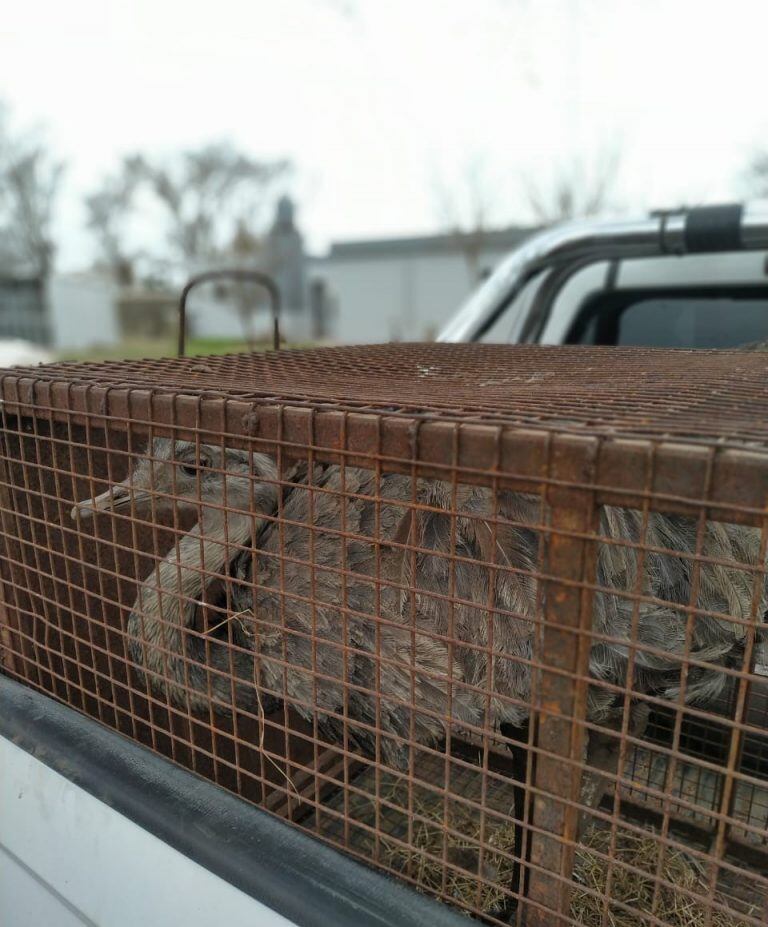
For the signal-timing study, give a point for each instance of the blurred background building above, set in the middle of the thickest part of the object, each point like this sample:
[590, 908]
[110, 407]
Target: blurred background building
[404, 289]
[385, 289]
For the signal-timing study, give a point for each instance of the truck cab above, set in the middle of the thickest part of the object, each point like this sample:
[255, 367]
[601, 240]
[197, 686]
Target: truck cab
[693, 278]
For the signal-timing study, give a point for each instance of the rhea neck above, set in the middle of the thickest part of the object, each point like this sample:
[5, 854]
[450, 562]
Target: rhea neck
[204, 552]
[167, 600]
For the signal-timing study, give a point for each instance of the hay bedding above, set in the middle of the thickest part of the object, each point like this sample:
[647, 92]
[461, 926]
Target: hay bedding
[674, 906]
[419, 857]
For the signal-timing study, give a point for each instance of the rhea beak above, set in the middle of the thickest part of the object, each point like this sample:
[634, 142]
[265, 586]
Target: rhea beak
[116, 497]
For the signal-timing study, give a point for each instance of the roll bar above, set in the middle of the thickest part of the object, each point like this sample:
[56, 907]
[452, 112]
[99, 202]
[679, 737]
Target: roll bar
[703, 229]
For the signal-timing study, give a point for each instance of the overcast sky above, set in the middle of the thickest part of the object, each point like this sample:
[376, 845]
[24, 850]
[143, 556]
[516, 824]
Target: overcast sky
[382, 103]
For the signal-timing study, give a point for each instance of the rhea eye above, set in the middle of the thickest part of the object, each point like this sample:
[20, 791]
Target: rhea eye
[190, 469]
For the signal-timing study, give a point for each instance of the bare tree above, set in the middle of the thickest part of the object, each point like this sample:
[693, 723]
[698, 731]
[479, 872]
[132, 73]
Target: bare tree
[465, 210]
[206, 193]
[246, 248]
[576, 192]
[109, 211]
[29, 182]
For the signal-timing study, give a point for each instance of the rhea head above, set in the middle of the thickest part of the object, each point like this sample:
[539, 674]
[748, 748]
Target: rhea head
[188, 475]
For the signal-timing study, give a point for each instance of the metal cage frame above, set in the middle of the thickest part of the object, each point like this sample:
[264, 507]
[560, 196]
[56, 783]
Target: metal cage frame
[575, 468]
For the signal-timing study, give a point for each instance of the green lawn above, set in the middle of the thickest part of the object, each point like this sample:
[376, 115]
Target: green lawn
[164, 347]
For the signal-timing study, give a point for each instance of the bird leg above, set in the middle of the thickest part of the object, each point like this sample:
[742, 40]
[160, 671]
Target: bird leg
[601, 760]
[517, 745]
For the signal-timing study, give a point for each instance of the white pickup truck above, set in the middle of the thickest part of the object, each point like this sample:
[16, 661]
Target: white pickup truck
[96, 830]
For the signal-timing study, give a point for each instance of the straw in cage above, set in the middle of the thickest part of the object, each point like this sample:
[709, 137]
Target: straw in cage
[403, 828]
[634, 887]
[615, 885]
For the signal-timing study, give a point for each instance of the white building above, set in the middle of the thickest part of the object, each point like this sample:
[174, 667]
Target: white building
[82, 309]
[74, 311]
[397, 289]
[404, 289]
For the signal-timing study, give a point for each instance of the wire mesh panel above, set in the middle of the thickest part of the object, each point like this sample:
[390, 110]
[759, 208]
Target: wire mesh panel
[491, 619]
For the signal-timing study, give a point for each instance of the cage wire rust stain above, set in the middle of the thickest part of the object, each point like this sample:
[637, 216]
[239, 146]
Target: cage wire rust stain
[447, 607]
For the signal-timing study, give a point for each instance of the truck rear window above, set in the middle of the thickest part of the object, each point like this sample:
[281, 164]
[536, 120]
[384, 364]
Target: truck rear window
[677, 319]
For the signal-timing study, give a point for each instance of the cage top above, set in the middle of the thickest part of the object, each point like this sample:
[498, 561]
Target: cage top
[630, 391]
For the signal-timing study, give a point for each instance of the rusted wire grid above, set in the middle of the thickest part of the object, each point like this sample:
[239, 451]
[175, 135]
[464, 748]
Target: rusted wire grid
[650, 792]
[693, 600]
[712, 395]
[605, 637]
[737, 472]
[544, 577]
[414, 553]
[632, 651]
[703, 764]
[632, 741]
[440, 754]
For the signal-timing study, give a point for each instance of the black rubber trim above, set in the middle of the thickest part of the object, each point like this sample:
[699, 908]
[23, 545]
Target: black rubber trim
[309, 883]
[713, 228]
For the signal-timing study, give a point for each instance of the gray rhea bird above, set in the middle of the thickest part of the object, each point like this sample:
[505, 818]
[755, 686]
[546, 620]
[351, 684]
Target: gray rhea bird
[387, 636]
[336, 524]
[235, 495]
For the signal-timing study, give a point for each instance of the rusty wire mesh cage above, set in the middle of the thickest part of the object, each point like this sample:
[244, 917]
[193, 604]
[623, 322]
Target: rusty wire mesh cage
[489, 618]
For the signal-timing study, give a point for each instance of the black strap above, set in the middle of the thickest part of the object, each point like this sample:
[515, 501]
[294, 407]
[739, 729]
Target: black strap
[713, 228]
